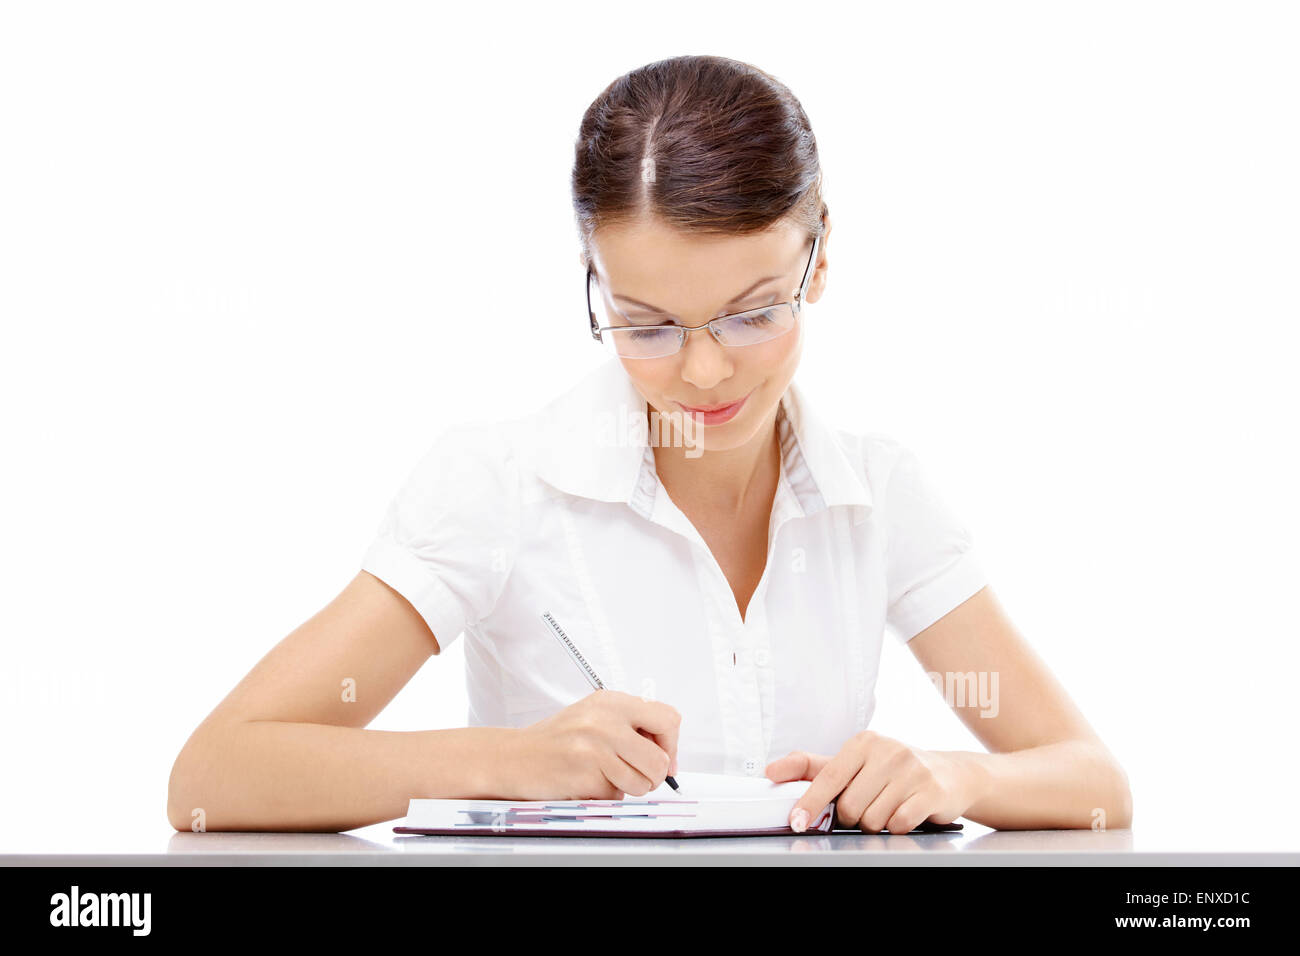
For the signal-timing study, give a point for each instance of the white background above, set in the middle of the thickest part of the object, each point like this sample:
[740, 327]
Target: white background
[253, 255]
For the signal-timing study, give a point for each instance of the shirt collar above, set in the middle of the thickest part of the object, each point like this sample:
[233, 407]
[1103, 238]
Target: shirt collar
[593, 441]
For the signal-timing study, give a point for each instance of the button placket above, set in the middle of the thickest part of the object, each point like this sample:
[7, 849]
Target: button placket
[729, 705]
[755, 726]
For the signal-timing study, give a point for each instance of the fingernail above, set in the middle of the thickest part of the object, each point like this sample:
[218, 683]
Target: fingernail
[799, 820]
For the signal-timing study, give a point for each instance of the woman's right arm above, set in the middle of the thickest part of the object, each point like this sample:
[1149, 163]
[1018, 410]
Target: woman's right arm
[287, 748]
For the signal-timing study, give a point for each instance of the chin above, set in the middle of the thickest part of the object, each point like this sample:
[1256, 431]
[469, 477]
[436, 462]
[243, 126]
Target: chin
[735, 433]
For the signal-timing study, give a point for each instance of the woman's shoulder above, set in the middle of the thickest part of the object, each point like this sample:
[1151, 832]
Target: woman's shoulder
[501, 457]
[466, 462]
[523, 434]
[485, 442]
[871, 453]
[875, 453]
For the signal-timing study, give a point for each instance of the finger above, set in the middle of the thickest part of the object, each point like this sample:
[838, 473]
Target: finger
[909, 814]
[602, 788]
[665, 745]
[864, 788]
[662, 747]
[661, 722]
[827, 784]
[886, 804]
[645, 756]
[623, 776]
[796, 765]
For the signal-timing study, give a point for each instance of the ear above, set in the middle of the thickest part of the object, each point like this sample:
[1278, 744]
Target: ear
[817, 284]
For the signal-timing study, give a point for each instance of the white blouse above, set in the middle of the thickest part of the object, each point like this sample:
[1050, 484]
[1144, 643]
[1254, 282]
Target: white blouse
[561, 511]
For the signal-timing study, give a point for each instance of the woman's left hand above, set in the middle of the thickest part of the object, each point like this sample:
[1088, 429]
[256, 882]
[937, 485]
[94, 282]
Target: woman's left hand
[878, 783]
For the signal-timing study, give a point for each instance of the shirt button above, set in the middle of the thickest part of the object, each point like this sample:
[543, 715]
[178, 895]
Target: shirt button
[751, 766]
[760, 657]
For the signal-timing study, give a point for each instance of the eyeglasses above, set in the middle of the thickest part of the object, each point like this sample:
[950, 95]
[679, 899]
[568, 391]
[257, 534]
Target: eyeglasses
[621, 336]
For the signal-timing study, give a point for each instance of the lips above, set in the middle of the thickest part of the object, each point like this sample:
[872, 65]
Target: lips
[710, 408]
[717, 414]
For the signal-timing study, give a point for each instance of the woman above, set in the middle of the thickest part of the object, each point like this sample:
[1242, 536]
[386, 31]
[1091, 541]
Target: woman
[725, 560]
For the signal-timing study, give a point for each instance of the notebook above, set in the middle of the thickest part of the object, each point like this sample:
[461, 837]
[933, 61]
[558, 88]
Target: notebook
[708, 804]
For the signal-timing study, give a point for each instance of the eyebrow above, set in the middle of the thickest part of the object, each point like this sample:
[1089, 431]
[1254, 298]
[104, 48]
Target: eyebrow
[737, 298]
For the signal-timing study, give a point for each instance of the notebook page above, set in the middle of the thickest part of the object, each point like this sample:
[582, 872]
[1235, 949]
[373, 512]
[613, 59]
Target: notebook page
[729, 787]
[705, 802]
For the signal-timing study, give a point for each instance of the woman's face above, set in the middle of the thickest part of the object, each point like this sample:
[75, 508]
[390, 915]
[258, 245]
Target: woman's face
[693, 279]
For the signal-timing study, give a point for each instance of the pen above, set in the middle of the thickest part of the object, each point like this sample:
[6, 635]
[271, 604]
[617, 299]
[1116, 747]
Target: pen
[553, 626]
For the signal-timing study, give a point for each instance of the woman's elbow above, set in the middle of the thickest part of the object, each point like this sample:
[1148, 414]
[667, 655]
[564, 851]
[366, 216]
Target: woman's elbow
[1119, 815]
[180, 793]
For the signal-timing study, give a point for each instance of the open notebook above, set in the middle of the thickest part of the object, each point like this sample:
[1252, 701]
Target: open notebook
[708, 804]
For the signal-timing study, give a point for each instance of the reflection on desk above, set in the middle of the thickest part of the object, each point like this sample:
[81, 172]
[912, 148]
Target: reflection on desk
[377, 845]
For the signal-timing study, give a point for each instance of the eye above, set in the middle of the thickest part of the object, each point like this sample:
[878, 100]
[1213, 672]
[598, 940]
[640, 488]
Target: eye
[638, 335]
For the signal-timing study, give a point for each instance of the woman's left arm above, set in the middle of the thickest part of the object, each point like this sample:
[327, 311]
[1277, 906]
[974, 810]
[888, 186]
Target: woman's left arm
[1046, 769]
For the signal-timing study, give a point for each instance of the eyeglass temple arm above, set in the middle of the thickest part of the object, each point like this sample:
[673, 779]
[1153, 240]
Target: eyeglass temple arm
[808, 270]
[595, 329]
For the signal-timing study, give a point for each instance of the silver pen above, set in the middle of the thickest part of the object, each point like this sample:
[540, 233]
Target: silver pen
[553, 626]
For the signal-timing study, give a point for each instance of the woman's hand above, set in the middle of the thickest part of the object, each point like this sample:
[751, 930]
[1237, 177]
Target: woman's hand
[878, 783]
[603, 747]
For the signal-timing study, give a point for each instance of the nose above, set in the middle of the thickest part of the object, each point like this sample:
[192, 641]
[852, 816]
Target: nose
[705, 360]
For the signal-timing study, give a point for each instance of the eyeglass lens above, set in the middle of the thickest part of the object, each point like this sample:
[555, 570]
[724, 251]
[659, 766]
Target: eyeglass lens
[629, 339]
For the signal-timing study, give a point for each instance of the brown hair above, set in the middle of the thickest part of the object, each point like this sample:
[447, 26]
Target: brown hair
[704, 143]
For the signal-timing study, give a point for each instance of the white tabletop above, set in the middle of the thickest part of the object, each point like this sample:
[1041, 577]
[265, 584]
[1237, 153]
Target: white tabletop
[1144, 845]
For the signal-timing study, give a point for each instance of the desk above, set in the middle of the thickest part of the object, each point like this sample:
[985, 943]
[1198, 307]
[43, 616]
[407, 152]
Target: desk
[377, 845]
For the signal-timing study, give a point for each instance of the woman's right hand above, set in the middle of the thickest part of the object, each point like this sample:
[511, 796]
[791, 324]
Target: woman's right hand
[607, 745]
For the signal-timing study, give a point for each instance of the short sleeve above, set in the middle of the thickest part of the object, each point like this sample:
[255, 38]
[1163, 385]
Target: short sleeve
[931, 564]
[447, 541]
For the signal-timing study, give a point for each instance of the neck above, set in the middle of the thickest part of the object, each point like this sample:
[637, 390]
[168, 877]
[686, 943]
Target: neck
[729, 481]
